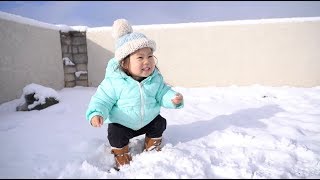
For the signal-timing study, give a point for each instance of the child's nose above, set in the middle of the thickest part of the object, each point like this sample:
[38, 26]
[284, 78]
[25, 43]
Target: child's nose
[146, 61]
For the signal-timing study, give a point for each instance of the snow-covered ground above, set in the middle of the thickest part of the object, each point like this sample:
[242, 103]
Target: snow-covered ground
[222, 132]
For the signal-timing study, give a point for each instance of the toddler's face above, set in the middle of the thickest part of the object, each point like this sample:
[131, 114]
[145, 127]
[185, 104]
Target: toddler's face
[142, 63]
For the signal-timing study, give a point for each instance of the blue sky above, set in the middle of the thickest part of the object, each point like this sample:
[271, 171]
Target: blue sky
[103, 13]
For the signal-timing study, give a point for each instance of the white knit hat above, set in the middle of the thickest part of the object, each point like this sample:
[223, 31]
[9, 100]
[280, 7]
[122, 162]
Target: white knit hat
[128, 41]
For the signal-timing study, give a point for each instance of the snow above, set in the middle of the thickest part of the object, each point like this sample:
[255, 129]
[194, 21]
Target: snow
[222, 132]
[78, 73]
[66, 28]
[216, 23]
[40, 94]
[24, 20]
[67, 61]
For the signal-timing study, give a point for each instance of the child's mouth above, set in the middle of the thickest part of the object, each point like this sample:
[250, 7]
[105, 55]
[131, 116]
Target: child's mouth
[146, 69]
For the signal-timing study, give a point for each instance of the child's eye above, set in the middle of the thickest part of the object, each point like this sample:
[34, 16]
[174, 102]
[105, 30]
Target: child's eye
[150, 57]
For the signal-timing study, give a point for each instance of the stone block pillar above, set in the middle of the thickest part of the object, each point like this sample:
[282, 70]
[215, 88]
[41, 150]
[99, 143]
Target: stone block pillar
[75, 58]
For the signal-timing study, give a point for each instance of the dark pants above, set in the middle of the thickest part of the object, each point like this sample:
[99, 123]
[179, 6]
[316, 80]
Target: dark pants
[119, 135]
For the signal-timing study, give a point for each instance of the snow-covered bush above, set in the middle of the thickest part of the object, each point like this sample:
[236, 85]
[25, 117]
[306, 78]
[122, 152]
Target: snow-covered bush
[37, 97]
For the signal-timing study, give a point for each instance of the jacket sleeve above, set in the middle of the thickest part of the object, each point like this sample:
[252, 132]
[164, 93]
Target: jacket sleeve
[102, 101]
[165, 95]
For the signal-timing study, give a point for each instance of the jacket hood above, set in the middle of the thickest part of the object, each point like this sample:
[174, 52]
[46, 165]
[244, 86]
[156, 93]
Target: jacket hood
[113, 70]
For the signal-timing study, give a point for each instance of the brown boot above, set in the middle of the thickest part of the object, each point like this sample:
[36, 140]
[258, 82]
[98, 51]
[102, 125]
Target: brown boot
[152, 144]
[121, 156]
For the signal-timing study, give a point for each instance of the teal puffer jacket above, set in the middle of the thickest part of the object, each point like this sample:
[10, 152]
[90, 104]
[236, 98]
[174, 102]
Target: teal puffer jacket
[121, 99]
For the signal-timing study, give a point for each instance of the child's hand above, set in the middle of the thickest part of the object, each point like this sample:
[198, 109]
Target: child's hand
[97, 121]
[177, 99]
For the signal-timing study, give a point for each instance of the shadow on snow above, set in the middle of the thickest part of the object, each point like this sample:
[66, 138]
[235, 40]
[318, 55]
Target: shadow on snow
[247, 118]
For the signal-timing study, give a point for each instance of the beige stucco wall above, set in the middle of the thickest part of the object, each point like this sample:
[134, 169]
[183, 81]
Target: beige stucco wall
[100, 50]
[273, 53]
[28, 54]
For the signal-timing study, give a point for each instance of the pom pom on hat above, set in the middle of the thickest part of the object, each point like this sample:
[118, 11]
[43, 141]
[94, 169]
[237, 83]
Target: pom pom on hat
[128, 41]
[120, 28]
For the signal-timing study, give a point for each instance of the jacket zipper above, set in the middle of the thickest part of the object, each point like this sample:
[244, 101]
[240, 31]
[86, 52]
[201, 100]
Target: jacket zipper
[142, 103]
